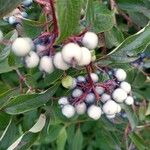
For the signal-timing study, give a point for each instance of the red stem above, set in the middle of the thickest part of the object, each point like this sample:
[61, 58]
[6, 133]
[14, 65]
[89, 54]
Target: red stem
[89, 76]
[55, 30]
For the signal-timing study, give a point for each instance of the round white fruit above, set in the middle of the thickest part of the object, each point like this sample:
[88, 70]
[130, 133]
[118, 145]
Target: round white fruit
[32, 59]
[22, 46]
[1, 35]
[63, 101]
[12, 20]
[125, 86]
[24, 14]
[81, 79]
[46, 64]
[129, 100]
[77, 93]
[90, 98]
[86, 57]
[105, 97]
[68, 111]
[120, 74]
[100, 90]
[74, 83]
[80, 108]
[90, 40]
[110, 107]
[118, 108]
[72, 53]
[94, 77]
[94, 112]
[119, 95]
[59, 62]
[27, 2]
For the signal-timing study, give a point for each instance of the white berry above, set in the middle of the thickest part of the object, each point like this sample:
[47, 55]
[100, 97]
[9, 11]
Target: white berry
[81, 79]
[94, 77]
[59, 62]
[105, 97]
[72, 53]
[46, 64]
[118, 108]
[77, 93]
[119, 95]
[68, 111]
[90, 40]
[129, 100]
[1, 35]
[80, 108]
[24, 14]
[120, 74]
[90, 98]
[27, 2]
[63, 101]
[86, 57]
[22, 46]
[32, 59]
[12, 20]
[110, 107]
[94, 112]
[125, 86]
[100, 90]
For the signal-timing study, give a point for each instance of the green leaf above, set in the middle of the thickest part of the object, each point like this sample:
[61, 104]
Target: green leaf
[127, 51]
[78, 140]
[4, 120]
[68, 16]
[138, 18]
[24, 103]
[135, 6]
[8, 135]
[133, 119]
[53, 132]
[61, 139]
[138, 141]
[99, 17]
[27, 139]
[53, 77]
[4, 66]
[5, 97]
[31, 28]
[113, 37]
[6, 6]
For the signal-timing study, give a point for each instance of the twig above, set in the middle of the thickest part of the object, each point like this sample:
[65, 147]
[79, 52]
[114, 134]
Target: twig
[113, 7]
[22, 79]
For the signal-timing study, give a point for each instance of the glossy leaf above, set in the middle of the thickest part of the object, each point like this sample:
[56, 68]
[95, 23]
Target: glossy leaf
[24, 103]
[138, 141]
[8, 135]
[61, 139]
[78, 140]
[6, 6]
[99, 17]
[133, 119]
[68, 15]
[29, 137]
[133, 45]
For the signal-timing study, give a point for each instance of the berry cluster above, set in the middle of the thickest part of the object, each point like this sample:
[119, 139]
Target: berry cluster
[96, 98]
[17, 14]
[39, 52]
